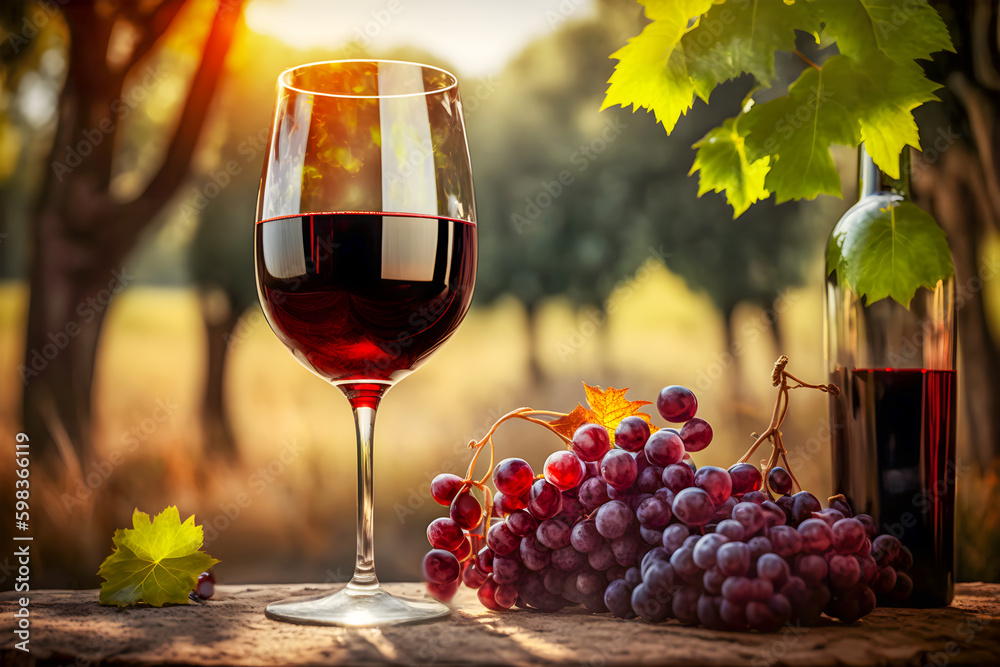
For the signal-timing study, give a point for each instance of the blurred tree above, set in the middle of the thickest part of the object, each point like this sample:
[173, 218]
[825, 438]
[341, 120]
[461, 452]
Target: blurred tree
[959, 179]
[83, 227]
[220, 207]
[577, 199]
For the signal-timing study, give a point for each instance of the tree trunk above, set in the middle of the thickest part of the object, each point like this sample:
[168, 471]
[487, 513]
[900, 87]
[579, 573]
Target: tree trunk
[220, 319]
[535, 371]
[81, 232]
[735, 374]
[65, 314]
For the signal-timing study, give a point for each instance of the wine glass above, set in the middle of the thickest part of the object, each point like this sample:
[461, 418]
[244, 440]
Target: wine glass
[365, 248]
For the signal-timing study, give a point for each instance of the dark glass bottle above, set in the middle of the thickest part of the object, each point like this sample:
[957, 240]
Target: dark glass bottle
[893, 423]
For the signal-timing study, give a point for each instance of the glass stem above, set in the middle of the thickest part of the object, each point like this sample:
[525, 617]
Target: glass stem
[364, 579]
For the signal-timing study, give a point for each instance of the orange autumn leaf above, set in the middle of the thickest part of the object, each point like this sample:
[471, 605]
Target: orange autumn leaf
[567, 424]
[608, 408]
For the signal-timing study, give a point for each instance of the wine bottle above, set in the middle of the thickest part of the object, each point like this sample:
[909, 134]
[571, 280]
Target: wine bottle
[893, 423]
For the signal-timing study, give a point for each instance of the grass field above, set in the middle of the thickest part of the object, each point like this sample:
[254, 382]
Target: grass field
[286, 512]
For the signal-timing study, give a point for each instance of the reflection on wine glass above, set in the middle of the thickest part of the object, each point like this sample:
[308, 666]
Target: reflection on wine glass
[365, 251]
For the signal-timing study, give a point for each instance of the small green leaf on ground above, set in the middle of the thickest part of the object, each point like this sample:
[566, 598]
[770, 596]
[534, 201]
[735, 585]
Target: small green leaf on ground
[156, 562]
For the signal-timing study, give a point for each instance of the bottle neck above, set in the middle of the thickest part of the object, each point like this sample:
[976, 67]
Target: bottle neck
[872, 180]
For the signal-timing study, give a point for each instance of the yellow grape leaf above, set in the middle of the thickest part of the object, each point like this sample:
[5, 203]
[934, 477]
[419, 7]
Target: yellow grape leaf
[568, 424]
[608, 408]
[156, 562]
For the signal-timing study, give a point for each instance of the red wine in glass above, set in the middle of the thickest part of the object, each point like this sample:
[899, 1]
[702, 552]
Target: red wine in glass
[364, 297]
[908, 416]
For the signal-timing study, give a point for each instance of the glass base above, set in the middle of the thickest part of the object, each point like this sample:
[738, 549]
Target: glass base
[356, 608]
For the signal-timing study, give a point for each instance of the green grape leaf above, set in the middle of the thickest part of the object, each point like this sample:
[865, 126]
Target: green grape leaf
[154, 562]
[736, 38]
[797, 130]
[652, 72]
[903, 30]
[892, 248]
[887, 92]
[723, 165]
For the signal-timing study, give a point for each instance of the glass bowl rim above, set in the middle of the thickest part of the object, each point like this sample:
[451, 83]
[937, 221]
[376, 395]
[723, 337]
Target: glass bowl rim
[284, 79]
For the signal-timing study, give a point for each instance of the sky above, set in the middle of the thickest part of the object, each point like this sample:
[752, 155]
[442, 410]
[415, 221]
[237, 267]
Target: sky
[477, 36]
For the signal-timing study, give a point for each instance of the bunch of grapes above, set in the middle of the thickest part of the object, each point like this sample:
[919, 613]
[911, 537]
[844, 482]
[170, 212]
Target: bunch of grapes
[631, 526]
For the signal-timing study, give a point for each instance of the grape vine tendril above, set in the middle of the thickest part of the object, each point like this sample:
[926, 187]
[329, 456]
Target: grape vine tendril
[780, 378]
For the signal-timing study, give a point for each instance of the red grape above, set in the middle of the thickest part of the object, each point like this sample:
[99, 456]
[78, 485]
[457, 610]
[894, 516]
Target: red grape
[786, 540]
[521, 523]
[472, 576]
[779, 480]
[733, 560]
[618, 469]
[205, 586]
[664, 448]
[513, 476]
[848, 535]
[564, 470]
[443, 592]
[464, 550]
[677, 476]
[714, 481]
[816, 536]
[676, 403]
[501, 540]
[441, 567]
[585, 538]
[746, 477]
[445, 534]
[545, 501]
[484, 560]
[591, 442]
[445, 487]
[694, 507]
[653, 513]
[632, 433]
[505, 596]
[487, 594]
[613, 519]
[593, 493]
[553, 533]
[466, 511]
[751, 517]
[696, 434]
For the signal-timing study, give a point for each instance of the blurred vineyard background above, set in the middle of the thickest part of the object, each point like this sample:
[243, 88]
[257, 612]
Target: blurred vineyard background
[598, 262]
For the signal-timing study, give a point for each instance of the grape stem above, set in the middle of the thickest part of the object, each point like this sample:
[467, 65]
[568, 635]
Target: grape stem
[528, 415]
[781, 378]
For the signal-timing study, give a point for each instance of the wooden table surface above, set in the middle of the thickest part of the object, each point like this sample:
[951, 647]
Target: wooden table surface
[70, 628]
